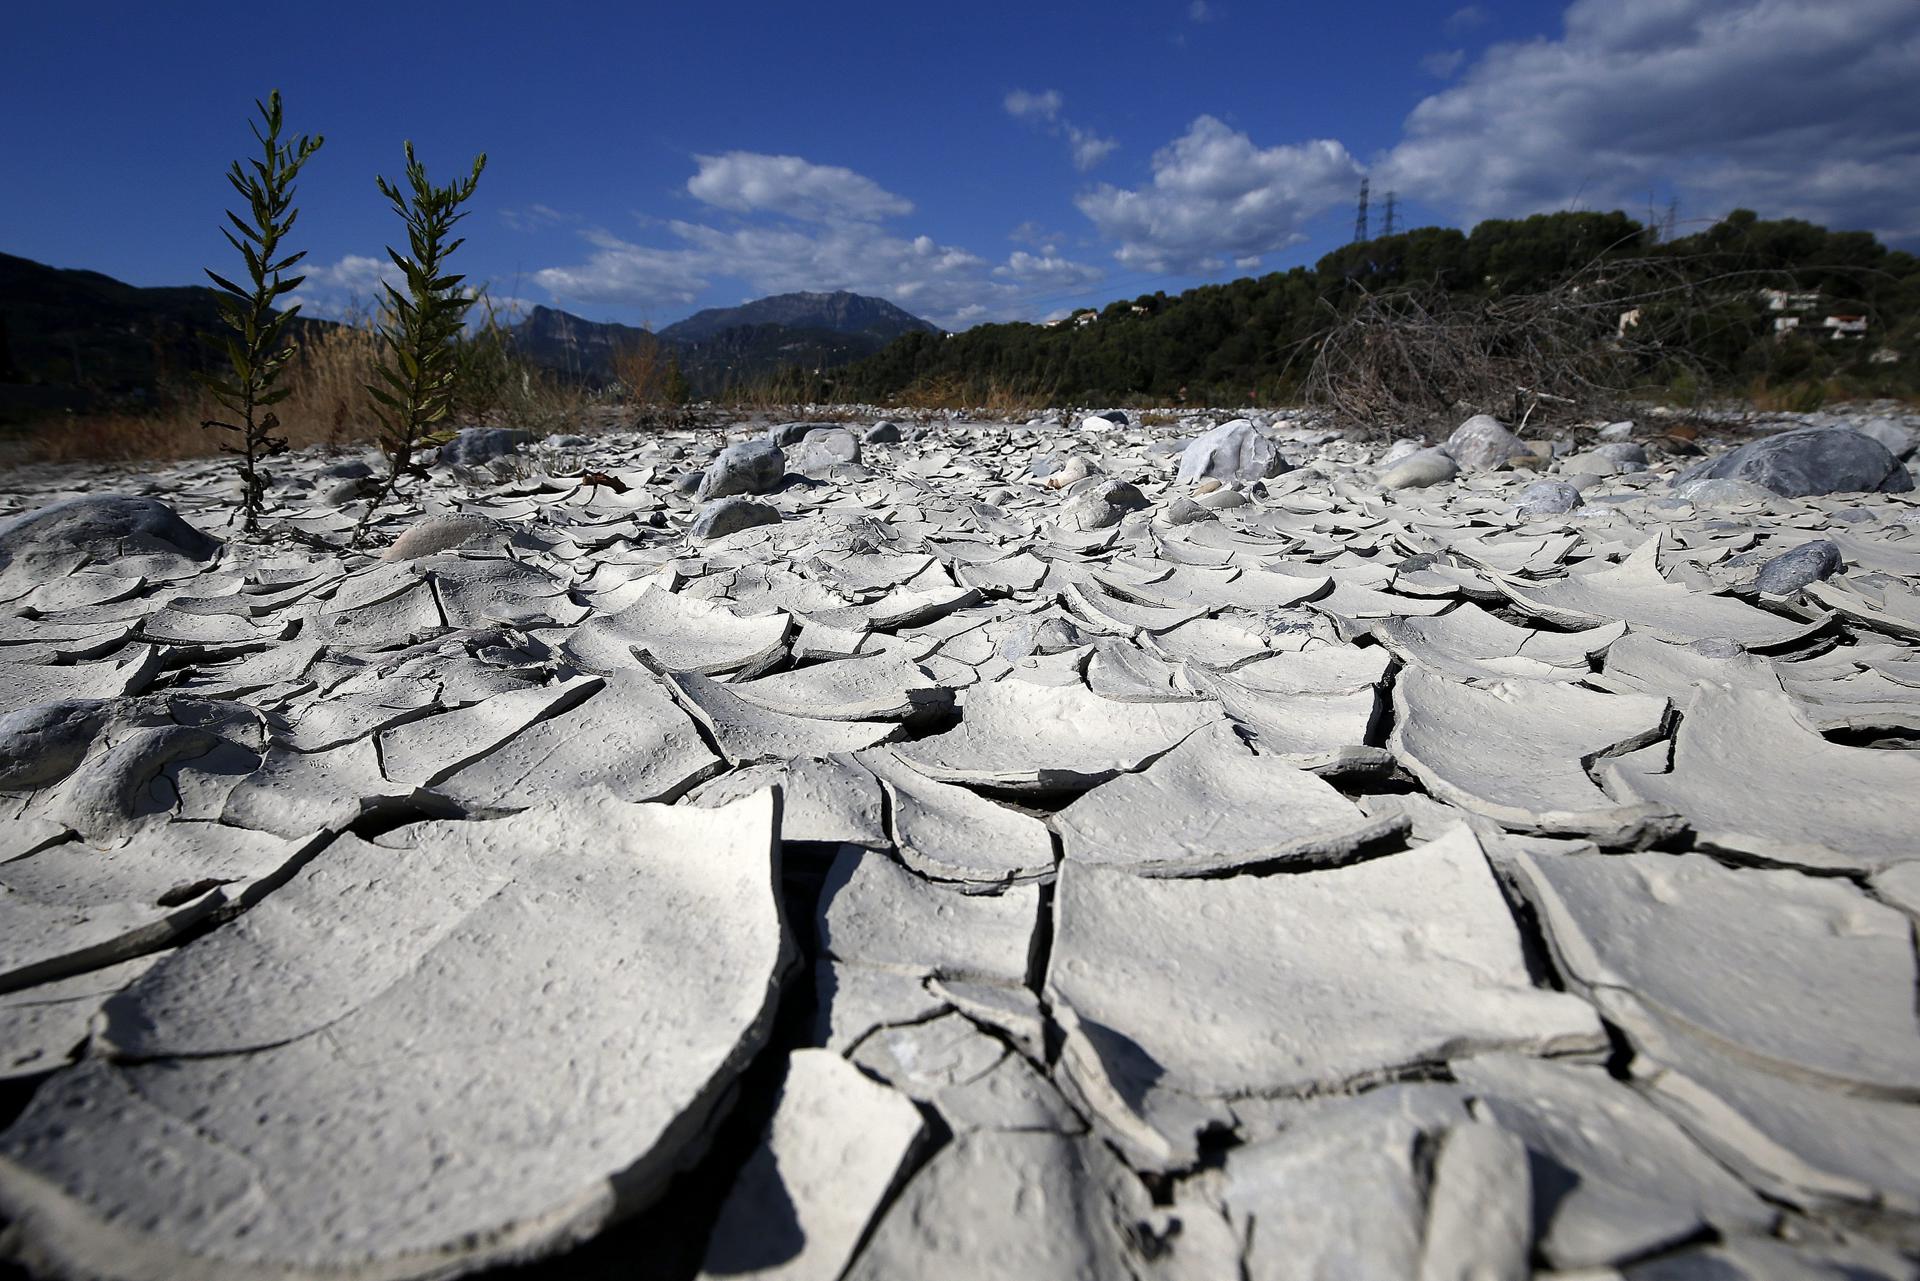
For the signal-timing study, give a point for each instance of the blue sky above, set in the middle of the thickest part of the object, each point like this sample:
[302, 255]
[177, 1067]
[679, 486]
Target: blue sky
[970, 161]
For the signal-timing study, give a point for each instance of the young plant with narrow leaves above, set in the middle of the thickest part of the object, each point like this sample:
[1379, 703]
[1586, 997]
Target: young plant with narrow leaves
[420, 333]
[258, 349]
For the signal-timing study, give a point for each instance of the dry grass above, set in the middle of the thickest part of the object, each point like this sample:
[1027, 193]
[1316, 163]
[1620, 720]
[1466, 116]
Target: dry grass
[328, 406]
[995, 398]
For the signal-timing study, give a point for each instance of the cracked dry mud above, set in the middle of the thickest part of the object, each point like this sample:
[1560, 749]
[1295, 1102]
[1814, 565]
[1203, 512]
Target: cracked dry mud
[1011, 851]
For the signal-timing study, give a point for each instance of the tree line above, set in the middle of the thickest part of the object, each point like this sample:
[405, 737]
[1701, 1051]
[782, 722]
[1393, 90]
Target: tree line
[1704, 322]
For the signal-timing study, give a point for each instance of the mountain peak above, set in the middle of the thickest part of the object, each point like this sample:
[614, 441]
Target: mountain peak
[838, 312]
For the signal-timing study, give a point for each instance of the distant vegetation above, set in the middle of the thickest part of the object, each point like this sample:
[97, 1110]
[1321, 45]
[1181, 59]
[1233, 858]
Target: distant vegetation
[1703, 325]
[1539, 317]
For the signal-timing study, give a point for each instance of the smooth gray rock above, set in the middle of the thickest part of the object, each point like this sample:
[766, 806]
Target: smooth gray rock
[749, 467]
[823, 450]
[1418, 470]
[476, 445]
[883, 433]
[1790, 571]
[1898, 439]
[725, 516]
[1809, 460]
[1482, 443]
[432, 535]
[1233, 453]
[1547, 498]
[786, 434]
[1185, 511]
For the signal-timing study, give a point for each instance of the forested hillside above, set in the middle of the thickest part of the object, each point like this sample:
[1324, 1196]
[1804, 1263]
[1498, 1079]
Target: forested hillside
[1703, 313]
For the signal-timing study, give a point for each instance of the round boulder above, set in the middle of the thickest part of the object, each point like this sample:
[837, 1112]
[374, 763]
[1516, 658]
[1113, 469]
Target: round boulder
[750, 467]
[726, 516]
[1807, 461]
[1482, 443]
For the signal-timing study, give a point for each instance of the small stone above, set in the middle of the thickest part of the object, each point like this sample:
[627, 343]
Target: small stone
[1790, 571]
[1184, 511]
[1547, 498]
[883, 433]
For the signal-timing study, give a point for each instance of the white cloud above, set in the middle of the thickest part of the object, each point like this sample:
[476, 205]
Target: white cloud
[534, 218]
[1043, 110]
[619, 273]
[943, 283]
[1215, 196]
[1442, 63]
[1793, 109]
[1089, 149]
[1200, 11]
[1047, 270]
[1022, 105]
[749, 182]
[1466, 18]
[347, 289]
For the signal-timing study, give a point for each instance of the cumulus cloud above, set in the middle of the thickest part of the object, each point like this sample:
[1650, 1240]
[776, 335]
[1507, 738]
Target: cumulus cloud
[534, 217]
[1022, 105]
[1466, 18]
[1216, 197]
[946, 284]
[1043, 110]
[749, 182]
[1794, 109]
[349, 287]
[1047, 270]
[623, 274]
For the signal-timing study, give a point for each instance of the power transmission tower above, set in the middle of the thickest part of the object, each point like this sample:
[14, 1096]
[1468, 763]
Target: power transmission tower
[1388, 227]
[1360, 215]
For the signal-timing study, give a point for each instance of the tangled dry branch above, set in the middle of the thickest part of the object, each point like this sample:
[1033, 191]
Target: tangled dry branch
[1417, 354]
